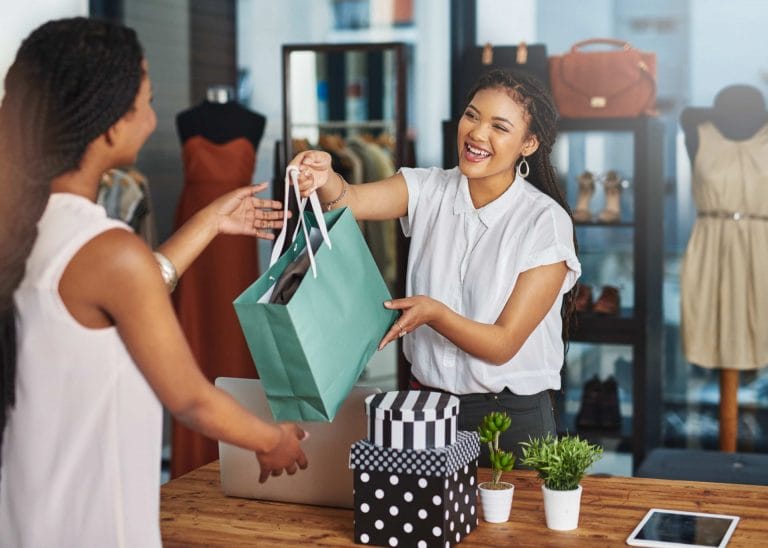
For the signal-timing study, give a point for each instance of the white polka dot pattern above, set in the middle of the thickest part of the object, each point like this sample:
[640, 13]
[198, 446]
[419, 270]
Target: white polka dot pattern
[444, 462]
[415, 510]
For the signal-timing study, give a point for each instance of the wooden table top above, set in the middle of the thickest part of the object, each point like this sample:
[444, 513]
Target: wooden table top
[194, 512]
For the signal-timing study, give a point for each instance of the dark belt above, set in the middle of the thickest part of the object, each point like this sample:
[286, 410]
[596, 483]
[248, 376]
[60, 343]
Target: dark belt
[414, 384]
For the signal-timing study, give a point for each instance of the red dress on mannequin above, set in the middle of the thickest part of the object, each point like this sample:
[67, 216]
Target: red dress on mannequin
[214, 163]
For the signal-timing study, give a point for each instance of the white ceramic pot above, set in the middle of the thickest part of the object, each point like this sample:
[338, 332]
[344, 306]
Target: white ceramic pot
[561, 508]
[497, 503]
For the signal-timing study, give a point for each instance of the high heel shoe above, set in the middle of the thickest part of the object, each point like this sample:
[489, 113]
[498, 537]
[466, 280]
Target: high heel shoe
[612, 211]
[581, 213]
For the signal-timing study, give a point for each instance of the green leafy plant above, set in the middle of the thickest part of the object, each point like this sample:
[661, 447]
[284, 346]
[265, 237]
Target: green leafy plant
[560, 462]
[490, 429]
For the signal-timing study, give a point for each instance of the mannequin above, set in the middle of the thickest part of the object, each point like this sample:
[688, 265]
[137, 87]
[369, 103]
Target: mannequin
[221, 119]
[219, 139]
[738, 113]
[723, 318]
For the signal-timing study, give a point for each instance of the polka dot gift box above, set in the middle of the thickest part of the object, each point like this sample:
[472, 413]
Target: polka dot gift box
[412, 419]
[415, 497]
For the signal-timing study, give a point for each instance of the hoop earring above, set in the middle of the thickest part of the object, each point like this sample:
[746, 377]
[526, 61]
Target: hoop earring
[520, 168]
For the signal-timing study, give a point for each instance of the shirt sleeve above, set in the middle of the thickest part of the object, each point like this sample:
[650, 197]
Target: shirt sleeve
[414, 177]
[552, 242]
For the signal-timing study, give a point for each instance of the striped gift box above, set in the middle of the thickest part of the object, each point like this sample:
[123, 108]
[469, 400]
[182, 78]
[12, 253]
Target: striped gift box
[412, 419]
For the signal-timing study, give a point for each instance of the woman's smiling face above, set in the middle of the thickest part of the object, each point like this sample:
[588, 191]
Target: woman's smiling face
[492, 135]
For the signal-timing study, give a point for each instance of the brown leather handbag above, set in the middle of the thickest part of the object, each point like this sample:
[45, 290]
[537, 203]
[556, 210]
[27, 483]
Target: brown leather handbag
[619, 83]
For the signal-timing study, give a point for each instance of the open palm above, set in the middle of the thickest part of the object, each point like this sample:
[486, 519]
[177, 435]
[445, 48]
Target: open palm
[240, 212]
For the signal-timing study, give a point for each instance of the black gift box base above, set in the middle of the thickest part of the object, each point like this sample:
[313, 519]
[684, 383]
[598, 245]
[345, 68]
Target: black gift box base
[409, 510]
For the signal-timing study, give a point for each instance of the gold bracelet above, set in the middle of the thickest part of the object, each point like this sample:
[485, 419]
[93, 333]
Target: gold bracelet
[344, 186]
[170, 276]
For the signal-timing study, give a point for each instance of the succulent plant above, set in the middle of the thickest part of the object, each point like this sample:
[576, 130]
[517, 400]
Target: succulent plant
[490, 429]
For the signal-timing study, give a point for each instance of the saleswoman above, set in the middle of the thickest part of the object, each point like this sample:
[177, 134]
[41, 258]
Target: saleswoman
[492, 257]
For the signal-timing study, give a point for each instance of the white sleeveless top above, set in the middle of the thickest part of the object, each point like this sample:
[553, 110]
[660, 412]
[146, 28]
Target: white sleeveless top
[81, 453]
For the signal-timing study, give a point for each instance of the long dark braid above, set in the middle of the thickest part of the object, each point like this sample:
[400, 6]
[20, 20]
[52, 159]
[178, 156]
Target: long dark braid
[530, 93]
[71, 81]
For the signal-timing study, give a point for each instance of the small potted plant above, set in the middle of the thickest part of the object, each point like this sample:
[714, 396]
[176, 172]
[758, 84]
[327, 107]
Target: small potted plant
[560, 464]
[496, 495]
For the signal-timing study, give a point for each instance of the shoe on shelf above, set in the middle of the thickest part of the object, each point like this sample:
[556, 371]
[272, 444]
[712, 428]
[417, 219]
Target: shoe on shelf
[610, 412]
[582, 214]
[612, 211]
[588, 417]
[583, 300]
[609, 301]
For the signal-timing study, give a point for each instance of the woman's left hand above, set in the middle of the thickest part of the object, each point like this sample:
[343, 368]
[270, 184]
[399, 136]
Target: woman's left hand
[416, 311]
[240, 212]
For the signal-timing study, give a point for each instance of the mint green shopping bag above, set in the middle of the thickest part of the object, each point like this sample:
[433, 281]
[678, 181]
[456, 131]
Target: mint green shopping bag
[311, 351]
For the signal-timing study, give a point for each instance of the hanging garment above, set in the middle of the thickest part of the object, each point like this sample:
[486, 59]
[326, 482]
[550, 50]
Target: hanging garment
[125, 196]
[724, 296]
[203, 298]
[380, 235]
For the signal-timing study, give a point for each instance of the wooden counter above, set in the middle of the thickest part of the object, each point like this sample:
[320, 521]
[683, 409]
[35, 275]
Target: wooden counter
[194, 512]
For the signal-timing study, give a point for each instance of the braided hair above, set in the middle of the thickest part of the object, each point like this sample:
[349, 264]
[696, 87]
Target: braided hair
[530, 93]
[72, 79]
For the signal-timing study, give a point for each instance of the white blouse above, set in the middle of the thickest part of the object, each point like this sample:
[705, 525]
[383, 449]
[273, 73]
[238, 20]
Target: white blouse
[469, 259]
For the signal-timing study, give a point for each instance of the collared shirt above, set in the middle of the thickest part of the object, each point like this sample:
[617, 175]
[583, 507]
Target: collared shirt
[469, 259]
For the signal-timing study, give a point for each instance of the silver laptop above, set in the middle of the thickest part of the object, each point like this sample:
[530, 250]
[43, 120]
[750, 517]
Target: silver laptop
[327, 481]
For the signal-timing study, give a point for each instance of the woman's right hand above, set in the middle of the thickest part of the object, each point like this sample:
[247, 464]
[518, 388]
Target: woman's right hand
[285, 455]
[314, 170]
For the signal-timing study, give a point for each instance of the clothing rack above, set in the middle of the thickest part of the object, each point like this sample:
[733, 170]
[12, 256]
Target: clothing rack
[341, 124]
[124, 194]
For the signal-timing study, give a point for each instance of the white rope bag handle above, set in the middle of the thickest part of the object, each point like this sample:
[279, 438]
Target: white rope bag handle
[292, 179]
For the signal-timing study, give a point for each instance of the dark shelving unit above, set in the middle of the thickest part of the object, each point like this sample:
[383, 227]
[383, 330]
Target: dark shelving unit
[593, 328]
[639, 324]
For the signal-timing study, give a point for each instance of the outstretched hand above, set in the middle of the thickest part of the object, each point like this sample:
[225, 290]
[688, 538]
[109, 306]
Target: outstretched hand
[240, 212]
[416, 311]
[286, 455]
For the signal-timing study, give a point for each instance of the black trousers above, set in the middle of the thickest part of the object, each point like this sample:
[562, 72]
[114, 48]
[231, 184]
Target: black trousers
[531, 416]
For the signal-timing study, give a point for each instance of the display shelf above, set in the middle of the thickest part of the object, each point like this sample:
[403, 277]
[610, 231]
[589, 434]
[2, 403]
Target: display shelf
[638, 324]
[606, 124]
[595, 328]
[619, 441]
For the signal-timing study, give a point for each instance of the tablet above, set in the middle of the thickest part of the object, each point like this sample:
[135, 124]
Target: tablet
[668, 528]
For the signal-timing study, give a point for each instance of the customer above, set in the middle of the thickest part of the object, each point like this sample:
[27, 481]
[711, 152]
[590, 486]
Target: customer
[96, 343]
[492, 253]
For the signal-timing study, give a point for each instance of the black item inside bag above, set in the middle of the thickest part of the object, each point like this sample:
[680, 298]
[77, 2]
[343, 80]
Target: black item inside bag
[290, 280]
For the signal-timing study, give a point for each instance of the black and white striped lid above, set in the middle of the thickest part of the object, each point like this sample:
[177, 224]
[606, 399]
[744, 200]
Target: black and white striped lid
[412, 405]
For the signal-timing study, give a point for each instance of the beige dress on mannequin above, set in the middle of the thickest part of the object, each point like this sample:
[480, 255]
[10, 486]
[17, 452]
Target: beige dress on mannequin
[725, 267]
